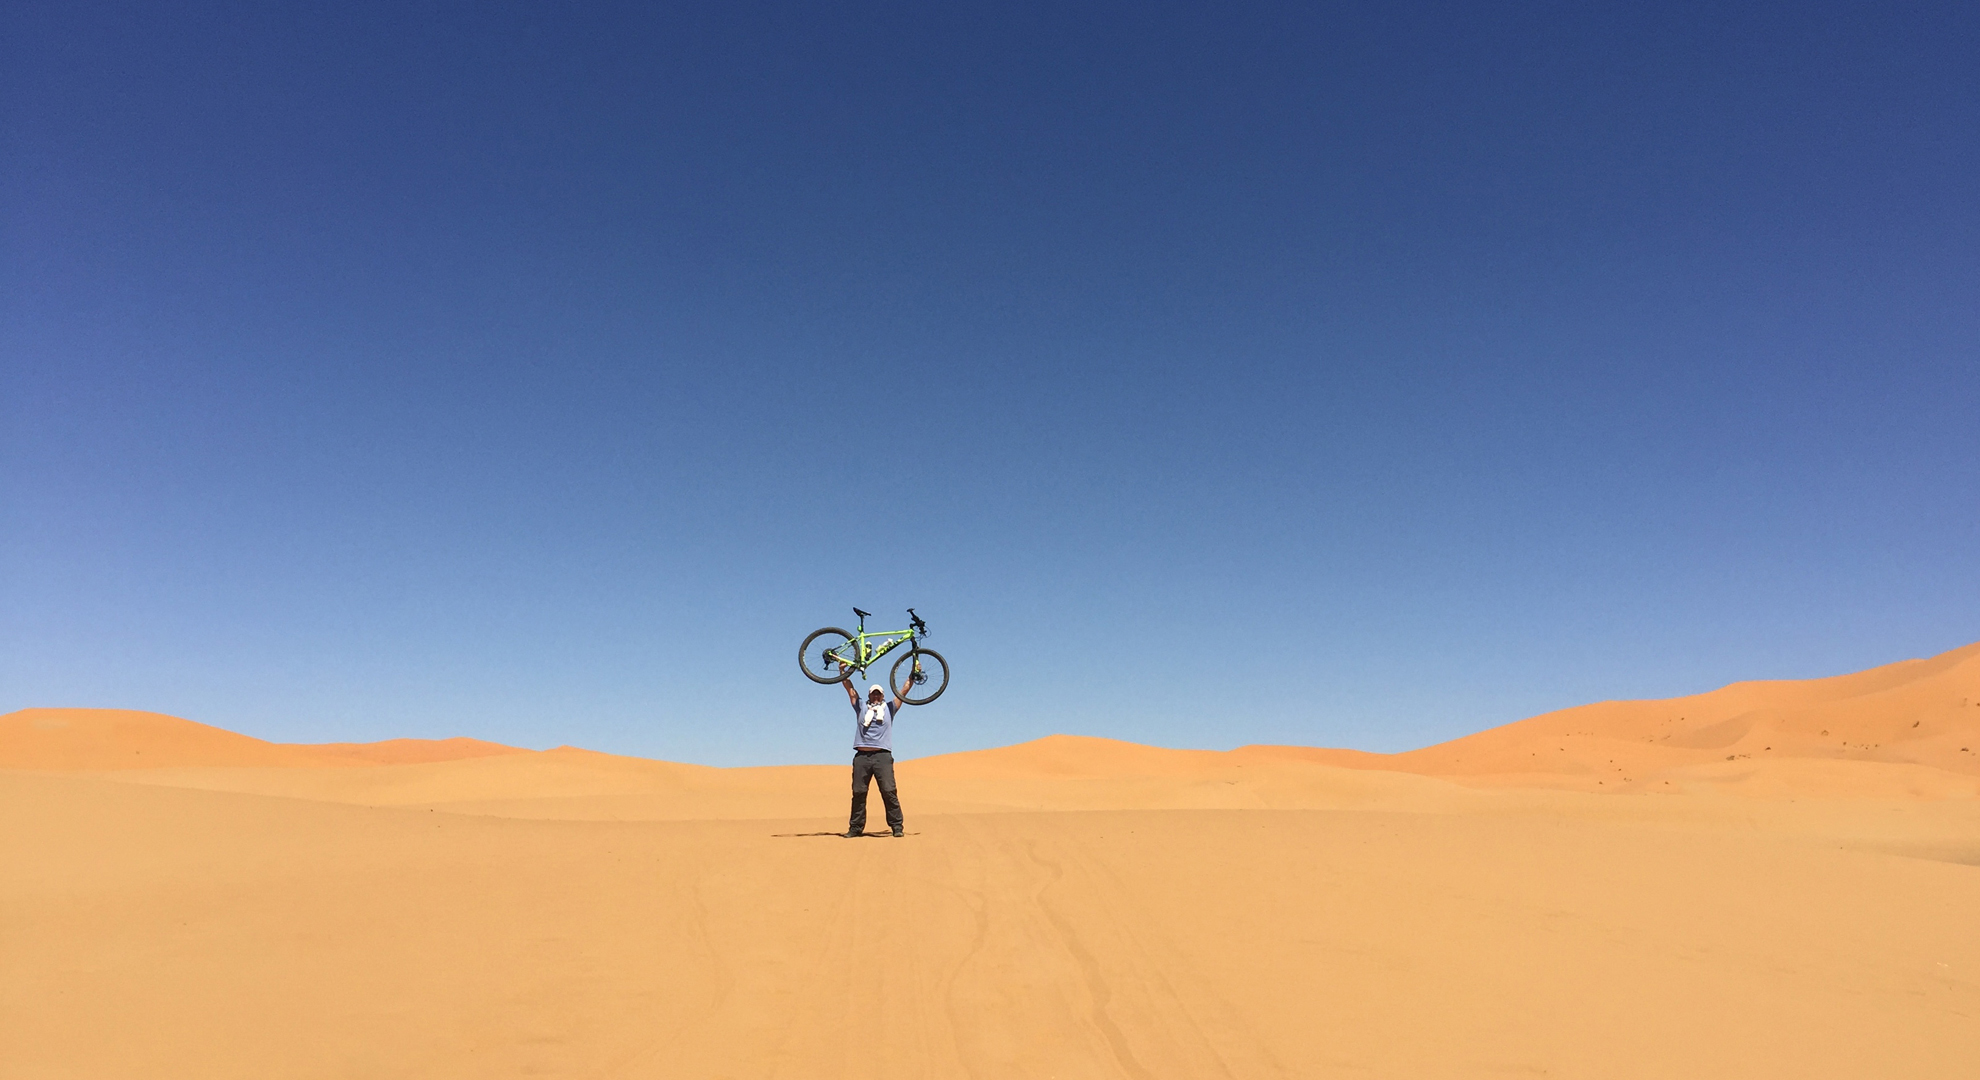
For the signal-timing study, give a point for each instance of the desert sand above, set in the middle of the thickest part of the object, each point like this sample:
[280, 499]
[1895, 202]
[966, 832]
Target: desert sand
[1769, 880]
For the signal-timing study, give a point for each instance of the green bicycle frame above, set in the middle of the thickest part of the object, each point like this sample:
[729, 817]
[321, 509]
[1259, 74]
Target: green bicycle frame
[866, 648]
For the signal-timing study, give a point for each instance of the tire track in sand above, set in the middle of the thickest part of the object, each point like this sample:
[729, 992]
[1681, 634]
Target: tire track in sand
[1096, 980]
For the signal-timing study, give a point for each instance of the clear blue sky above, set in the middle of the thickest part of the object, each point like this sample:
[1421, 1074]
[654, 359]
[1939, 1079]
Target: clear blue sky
[1347, 375]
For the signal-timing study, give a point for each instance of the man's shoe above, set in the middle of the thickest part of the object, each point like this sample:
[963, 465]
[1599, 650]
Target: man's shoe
[853, 834]
[898, 832]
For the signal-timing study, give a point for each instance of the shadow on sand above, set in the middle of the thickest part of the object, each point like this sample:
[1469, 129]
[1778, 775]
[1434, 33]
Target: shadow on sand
[842, 836]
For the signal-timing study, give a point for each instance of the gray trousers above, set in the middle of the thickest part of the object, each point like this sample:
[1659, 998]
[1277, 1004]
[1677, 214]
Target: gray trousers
[868, 766]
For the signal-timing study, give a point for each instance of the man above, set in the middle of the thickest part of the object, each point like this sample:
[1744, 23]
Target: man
[873, 753]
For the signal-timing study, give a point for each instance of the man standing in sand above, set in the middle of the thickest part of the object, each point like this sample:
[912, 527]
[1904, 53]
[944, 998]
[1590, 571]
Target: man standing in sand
[873, 753]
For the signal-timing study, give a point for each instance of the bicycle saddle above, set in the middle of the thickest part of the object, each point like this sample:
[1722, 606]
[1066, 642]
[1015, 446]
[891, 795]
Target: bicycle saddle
[862, 614]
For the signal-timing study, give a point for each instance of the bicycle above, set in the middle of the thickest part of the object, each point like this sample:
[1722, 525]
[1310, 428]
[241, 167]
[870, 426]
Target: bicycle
[830, 654]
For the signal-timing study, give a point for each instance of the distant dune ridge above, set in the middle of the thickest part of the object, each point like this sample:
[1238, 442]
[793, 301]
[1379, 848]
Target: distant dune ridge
[190, 903]
[102, 739]
[1916, 713]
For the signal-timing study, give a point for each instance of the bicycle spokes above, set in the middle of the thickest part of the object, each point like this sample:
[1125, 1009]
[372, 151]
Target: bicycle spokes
[824, 652]
[920, 677]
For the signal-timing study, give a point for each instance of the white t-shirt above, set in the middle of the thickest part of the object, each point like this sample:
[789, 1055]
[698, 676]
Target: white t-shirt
[873, 726]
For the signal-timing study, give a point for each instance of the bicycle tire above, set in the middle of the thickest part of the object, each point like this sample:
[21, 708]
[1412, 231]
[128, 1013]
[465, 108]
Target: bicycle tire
[928, 676]
[804, 656]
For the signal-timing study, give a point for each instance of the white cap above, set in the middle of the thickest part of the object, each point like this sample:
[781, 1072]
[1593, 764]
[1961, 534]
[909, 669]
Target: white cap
[876, 688]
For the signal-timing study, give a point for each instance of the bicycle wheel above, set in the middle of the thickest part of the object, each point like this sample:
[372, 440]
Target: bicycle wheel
[819, 655]
[925, 679]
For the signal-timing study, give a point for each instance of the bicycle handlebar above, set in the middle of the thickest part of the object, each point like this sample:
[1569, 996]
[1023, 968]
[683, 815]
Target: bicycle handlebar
[915, 621]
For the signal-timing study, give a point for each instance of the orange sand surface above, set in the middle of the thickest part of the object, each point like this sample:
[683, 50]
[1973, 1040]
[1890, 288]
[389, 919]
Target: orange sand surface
[1769, 880]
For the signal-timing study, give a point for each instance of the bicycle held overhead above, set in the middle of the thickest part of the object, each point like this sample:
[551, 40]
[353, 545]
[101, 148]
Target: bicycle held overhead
[918, 677]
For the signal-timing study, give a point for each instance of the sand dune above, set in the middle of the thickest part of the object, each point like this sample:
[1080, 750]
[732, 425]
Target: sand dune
[1769, 880]
[89, 739]
[1914, 713]
[103, 739]
[410, 751]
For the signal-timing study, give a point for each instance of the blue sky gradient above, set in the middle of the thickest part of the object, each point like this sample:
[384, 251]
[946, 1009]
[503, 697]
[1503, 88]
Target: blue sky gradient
[1345, 375]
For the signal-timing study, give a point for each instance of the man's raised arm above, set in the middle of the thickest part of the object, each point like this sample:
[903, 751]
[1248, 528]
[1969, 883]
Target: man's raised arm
[847, 682]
